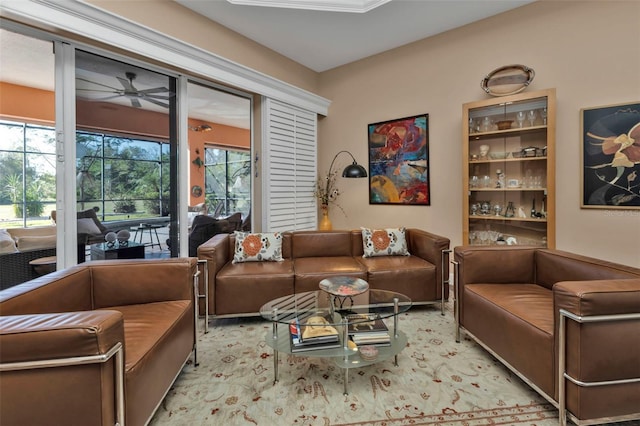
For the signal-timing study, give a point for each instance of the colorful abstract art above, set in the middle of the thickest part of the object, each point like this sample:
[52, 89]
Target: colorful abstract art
[399, 161]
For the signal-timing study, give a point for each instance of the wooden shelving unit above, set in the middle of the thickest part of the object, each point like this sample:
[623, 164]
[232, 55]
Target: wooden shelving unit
[517, 172]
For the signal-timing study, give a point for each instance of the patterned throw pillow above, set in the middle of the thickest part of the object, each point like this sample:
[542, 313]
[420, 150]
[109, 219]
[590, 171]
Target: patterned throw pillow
[384, 242]
[259, 247]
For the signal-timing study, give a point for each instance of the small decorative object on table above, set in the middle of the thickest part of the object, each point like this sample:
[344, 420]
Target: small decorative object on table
[110, 238]
[368, 352]
[123, 236]
[343, 288]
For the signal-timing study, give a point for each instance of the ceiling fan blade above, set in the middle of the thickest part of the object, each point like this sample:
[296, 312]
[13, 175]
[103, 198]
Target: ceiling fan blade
[118, 91]
[135, 102]
[106, 98]
[153, 101]
[154, 90]
[166, 98]
[97, 84]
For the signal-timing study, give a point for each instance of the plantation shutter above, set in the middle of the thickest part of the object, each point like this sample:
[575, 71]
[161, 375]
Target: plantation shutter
[289, 164]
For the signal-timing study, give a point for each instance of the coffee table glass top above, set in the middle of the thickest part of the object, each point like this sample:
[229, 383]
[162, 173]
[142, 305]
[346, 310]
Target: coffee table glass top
[312, 303]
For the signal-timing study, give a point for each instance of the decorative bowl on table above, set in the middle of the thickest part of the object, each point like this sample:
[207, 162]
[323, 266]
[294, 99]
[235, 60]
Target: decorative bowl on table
[344, 286]
[368, 352]
[504, 124]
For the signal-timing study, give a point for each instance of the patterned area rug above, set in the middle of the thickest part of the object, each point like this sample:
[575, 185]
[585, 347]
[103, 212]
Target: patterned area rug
[437, 382]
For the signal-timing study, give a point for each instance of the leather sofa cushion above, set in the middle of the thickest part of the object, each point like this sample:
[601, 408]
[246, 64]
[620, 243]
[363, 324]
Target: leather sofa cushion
[516, 322]
[555, 266]
[311, 270]
[321, 244]
[401, 273]
[262, 281]
[42, 295]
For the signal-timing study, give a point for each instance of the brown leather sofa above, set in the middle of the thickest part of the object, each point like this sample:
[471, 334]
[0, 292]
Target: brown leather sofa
[310, 256]
[95, 344]
[548, 314]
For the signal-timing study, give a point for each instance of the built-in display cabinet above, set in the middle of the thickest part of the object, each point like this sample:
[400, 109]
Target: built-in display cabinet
[509, 170]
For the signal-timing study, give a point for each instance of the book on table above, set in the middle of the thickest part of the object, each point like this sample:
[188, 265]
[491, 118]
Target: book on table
[316, 333]
[368, 329]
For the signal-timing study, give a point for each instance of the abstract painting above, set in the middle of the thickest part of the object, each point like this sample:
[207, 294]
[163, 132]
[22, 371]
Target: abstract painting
[399, 161]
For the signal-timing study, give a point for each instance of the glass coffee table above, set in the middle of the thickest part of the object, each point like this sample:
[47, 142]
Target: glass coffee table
[299, 307]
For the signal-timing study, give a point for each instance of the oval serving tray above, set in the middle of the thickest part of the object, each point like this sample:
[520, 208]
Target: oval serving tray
[507, 80]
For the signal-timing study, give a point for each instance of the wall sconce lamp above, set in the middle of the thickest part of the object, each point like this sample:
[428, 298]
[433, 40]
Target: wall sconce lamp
[201, 128]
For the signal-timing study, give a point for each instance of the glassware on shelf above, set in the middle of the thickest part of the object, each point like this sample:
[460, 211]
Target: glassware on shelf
[543, 114]
[472, 126]
[532, 117]
[486, 124]
[474, 182]
[497, 209]
[510, 211]
[520, 118]
[486, 182]
[474, 209]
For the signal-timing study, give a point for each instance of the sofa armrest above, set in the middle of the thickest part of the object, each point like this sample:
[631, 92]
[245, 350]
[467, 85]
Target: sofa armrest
[217, 253]
[597, 346]
[89, 389]
[138, 281]
[49, 336]
[597, 297]
[430, 247]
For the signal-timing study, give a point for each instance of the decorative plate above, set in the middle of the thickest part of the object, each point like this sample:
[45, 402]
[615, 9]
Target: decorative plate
[344, 286]
[507, 80]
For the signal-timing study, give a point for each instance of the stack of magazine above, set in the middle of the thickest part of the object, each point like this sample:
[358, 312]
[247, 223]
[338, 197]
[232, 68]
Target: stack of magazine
[312, 334]
[368, 329]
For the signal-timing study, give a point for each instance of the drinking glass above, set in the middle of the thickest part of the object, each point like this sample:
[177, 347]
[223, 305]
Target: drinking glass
[520, 118]
[543, 114]
[532, 117]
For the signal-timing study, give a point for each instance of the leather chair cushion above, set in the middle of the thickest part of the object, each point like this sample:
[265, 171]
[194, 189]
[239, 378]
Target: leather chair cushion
[400, 273]
[263, 281]
[515, 321]
[157, 335]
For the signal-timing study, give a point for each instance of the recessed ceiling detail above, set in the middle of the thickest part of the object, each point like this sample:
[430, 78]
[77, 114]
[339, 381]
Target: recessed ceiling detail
[353, 6]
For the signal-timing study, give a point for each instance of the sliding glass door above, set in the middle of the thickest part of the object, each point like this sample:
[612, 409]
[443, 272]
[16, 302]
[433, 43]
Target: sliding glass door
[126, 145]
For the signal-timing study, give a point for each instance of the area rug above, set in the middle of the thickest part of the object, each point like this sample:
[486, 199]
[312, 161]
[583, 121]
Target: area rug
[437, 382]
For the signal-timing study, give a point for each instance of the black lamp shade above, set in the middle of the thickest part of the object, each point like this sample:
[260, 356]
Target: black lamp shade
[354, 170]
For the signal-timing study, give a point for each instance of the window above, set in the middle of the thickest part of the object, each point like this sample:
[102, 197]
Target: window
[127, 178]
[124, 177]
[227, 181]
[28, 178]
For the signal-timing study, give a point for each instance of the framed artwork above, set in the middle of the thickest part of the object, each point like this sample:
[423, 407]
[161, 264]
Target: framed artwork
[399, 161]
[611, 156]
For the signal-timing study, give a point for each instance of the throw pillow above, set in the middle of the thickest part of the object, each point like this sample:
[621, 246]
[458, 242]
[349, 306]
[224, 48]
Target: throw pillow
[259, 247]
[88, 226]
[384, 242]
[7, 244]
[33, 243]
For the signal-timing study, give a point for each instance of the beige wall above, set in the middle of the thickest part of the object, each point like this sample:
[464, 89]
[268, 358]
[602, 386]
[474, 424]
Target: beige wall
[589, 51]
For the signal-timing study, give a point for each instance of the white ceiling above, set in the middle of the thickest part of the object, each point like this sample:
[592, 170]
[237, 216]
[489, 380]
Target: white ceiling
[324, 40]
[316, 39]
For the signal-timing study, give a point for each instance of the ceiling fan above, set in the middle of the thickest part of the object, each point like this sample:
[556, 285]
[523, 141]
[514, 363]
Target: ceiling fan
[129, 91]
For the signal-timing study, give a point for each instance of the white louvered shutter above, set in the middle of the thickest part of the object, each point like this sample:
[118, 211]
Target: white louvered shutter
[289, 167]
